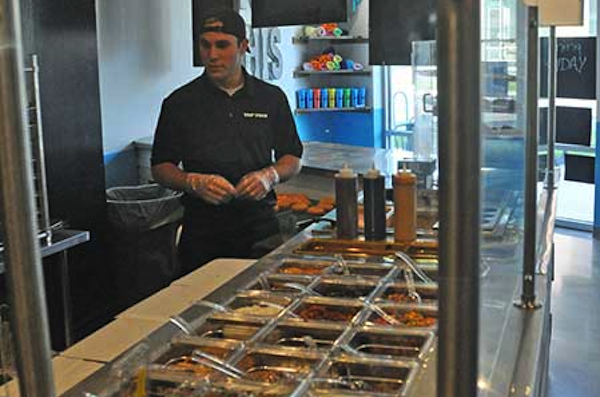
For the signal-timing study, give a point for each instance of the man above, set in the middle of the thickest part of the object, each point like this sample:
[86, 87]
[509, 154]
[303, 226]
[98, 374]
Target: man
[225, 127]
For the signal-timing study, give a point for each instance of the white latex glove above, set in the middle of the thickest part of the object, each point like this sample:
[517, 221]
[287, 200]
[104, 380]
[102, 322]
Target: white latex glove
[257, 184]
[213, 189]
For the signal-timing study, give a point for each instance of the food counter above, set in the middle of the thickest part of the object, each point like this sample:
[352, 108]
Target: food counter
[319, 316]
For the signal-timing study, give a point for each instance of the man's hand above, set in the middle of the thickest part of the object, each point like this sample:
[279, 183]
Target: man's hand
[257, 184]
[213, 189]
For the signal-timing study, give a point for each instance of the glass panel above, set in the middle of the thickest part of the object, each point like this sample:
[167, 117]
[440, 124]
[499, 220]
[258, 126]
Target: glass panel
[503, 92]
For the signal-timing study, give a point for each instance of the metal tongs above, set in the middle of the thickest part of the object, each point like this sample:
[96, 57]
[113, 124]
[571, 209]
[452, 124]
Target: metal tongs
[302, 288]
[308, 340]
[341, 262]
[382, 313]
[218, 362]
[204, 362]
[410, 263]
[410, 286]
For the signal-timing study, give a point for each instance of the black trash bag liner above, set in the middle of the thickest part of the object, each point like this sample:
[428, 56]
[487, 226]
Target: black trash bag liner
[144, 207]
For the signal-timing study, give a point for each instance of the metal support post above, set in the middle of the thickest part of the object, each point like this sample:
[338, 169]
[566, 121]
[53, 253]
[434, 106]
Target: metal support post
[552, 78]
[528, 298]
[459, 63]
[24, 271]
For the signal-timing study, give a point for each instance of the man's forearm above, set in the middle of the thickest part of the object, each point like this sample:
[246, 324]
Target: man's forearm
[287, 167]
[171, 176]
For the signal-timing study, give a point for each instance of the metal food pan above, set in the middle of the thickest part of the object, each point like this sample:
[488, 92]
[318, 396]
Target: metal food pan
[279, 283]
[277, 366]
[370, 377]
[342, 287]
[398, 293]
[328, 309]
[304, 335]
[420, 249]
[367, 270]
[220, 326]
[259, 305]
[390, 343]
[303, 267]
[411, 316]
[242, 388]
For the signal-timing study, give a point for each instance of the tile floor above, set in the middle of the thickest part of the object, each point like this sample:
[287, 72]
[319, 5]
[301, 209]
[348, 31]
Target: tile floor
[575, 346]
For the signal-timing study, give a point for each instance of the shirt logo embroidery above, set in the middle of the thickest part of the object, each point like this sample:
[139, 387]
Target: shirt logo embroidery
[256, 115]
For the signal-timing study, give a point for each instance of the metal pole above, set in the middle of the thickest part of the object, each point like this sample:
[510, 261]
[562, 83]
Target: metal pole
[531, 159]
[458, 70]
[552, 78]
[24, 271]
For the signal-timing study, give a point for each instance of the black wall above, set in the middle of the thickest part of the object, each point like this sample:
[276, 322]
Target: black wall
[63, 35]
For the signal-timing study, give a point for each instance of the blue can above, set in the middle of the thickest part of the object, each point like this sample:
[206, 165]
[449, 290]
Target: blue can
[339, 98]
[324, 97]
[301, 98]
[354, 97]
[309, 98]
[362, 96]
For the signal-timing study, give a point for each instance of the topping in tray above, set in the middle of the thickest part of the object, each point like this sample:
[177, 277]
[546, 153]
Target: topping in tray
[327, 313]
[411, 318]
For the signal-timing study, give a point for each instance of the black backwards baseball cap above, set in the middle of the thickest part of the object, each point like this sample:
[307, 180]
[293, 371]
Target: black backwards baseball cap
[224, 21]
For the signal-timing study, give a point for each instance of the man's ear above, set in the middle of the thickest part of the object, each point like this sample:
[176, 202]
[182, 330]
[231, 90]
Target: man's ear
[244, 45]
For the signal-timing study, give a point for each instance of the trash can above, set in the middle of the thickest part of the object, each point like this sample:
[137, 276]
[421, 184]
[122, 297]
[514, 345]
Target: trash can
[142, 244]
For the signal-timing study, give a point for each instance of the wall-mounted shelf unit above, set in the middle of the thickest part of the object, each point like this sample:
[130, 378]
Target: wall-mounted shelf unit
[364, 109]
[328, 39]
[305, 73]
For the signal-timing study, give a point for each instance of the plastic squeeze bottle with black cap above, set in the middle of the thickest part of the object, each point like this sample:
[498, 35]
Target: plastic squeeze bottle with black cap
[346, 201]
[374, 200]
[405, 206]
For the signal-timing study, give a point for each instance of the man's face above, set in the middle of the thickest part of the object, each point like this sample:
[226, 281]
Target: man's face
[221, 54]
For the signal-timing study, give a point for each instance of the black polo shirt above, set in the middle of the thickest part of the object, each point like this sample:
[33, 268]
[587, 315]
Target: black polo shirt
[210, 132]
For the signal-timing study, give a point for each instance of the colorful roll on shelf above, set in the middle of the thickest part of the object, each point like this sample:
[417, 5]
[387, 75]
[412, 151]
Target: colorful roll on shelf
[331, 98]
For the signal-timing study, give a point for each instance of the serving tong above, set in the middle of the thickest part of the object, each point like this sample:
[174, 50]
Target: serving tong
[382, 313]
[307, 340]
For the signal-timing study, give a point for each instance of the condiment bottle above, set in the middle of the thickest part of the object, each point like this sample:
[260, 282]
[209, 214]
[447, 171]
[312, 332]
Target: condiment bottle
[405, 206]
[374, 205]
[346, 201]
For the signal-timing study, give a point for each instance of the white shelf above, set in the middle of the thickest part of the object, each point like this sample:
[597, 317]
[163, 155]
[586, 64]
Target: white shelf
[330, 39]
[363, 109]
[305, 73]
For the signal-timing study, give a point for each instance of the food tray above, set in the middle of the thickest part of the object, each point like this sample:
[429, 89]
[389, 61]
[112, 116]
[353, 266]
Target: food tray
[391, 344]
[304, 335]
[280, 283]
[227, 327]
[342, 287]
[180, 355]
[277, 366]
[408, 316]
[257, 304]
[328, 310]
[420, 249]
[369, 377]
[304, 267]
[398, 293]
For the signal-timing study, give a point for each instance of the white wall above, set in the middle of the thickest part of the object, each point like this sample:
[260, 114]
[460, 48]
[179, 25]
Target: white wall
[144, 52]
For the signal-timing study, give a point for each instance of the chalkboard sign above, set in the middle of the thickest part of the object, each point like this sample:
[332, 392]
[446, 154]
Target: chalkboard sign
[579, 168]
[573, 125]
[576, 65]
